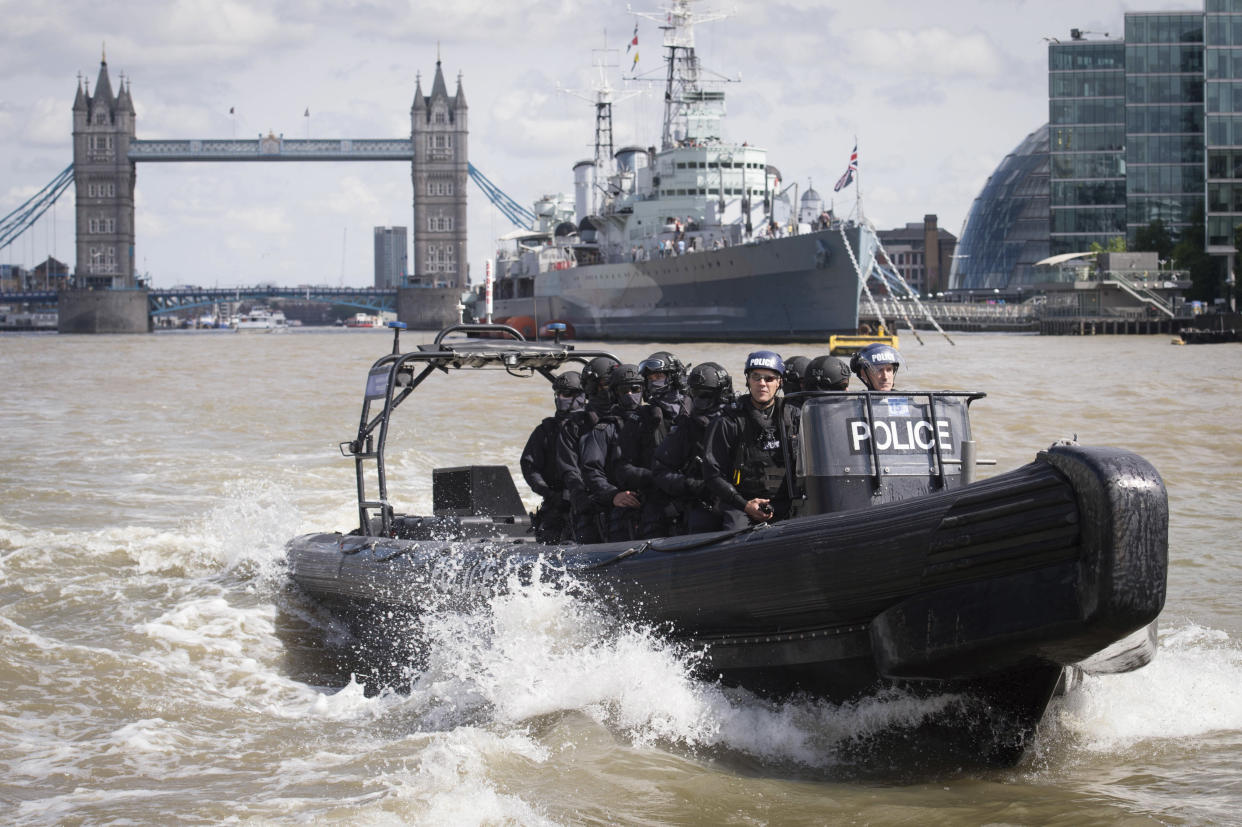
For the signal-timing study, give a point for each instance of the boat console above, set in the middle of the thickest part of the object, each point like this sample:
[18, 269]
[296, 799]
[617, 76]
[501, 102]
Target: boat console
[469, 502]
[860, 449]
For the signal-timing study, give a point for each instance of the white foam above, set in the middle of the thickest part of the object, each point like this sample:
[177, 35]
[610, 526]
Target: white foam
[1188, 690]
[537, 650]
[452, 782]
[150, 735]
[225, 652]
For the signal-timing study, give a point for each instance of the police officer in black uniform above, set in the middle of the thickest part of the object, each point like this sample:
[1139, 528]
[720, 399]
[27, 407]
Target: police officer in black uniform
[664, 376]
[610, 457]
[749, 465]
[539, 468]
[826, 373]
[678, 463]
[587, 518]
[795, 374]
[877, 366]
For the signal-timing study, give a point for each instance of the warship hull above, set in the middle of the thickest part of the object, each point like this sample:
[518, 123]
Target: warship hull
[796, 288]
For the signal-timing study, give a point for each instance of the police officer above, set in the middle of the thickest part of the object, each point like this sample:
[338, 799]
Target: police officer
[795, 374]
[615, 477]
[678, 463]
[826, 373]
[587, 518]
[539, 468]
[751, 450]
[665, 378]
[876, 365]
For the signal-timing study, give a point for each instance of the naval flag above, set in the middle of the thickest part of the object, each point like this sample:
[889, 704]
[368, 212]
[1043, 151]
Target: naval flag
[848, 178]
[633, 42]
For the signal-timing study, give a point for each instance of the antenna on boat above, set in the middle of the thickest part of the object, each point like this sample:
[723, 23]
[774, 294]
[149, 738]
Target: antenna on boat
[397, 327]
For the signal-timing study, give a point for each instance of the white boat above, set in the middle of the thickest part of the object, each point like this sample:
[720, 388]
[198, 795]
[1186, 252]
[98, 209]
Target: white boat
[261, 320]
[363, 320]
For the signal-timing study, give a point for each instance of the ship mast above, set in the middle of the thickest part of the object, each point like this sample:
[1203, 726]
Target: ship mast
[687, 107]
[603, 98]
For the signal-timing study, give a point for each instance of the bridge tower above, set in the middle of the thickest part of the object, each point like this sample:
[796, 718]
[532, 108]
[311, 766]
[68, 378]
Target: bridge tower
[438, 134]
[103, 178]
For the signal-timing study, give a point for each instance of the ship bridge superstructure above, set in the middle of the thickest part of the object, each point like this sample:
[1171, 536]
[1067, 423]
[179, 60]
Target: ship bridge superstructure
[694, 98]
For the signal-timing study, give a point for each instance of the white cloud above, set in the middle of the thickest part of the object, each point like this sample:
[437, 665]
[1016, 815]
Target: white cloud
[49, 123]
[935, 51]
[937, 94]
[268, 219]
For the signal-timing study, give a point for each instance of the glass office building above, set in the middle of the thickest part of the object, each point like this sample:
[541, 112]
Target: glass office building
[1174, 146]
[391, 256]
[1086, 142]
[1141, 128]
[1222, 28]
[1006, 230]
[1164, 119]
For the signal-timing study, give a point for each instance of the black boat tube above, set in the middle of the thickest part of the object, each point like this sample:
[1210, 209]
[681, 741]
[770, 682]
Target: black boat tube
[1059, 613]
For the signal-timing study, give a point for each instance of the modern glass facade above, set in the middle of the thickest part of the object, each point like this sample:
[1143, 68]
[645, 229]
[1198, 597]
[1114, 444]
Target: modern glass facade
[1222, 29]
[1006, 230]
[1086, 143]
[1139, 129]
[1164, 119]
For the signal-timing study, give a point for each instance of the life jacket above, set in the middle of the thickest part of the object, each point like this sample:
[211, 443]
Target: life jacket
[762, 449]
[549, 432]
[695, 427]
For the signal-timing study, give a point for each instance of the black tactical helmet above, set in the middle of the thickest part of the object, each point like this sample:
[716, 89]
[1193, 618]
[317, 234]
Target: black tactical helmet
[795, 374]
[664, 362]
[874, 355]
[595, 374]
[624, 375]
[568, 382]
[710, 376]
[826, 373]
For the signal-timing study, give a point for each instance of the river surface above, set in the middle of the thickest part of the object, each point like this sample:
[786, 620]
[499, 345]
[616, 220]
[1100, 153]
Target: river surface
[149, 668]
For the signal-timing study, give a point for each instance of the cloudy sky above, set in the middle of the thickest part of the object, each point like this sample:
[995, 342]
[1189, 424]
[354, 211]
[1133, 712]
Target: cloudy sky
[936, 93]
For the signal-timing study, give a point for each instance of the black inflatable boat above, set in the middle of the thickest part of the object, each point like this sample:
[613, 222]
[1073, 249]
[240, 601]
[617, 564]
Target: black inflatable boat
[901, 568]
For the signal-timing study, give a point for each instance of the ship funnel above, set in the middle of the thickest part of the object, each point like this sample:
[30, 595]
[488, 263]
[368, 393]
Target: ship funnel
[584, 189]
[631, 159]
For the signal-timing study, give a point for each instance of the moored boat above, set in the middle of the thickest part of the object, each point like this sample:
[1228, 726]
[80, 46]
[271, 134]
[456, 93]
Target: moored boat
[901, 570]
[701, 238]
[360, 320]
[261, 320]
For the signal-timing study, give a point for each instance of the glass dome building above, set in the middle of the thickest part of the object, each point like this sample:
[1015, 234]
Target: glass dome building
[1008, 227]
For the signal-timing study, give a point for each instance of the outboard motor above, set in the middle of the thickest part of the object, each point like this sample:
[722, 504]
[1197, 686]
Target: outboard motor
[861, 449]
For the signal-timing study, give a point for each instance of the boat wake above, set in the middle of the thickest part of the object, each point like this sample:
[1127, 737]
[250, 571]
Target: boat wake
[536, 656]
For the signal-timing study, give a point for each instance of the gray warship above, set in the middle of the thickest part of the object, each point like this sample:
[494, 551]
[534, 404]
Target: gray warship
[695, 240]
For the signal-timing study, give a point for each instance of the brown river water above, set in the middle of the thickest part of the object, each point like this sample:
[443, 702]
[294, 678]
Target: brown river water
[148, 485]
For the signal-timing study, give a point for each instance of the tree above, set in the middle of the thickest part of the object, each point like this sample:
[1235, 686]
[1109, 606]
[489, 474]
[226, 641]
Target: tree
[1116, 244]
[1189, 254]
[1155, 238]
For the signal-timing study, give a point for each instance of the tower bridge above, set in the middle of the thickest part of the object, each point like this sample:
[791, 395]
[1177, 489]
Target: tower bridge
[106, 152]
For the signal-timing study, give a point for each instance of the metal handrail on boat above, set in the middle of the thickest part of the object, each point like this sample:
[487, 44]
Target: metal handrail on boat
[393, 379]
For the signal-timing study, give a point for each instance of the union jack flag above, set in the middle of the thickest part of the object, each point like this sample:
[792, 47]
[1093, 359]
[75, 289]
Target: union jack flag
[848, 178]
